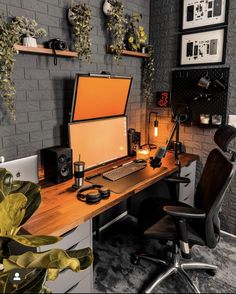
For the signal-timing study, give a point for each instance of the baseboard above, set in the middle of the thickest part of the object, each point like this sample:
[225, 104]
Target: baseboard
[226, 233]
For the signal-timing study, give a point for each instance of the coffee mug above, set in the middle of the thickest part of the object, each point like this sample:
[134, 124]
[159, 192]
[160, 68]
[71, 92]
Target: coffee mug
[204, 82]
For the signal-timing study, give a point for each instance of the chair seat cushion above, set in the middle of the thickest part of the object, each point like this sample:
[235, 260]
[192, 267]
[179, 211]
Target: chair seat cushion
[165, 229]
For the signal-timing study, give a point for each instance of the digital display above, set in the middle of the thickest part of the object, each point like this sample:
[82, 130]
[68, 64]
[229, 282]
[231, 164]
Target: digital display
[163, 99]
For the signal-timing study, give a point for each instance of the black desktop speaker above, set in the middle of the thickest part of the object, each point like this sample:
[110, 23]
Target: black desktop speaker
[134, 139]
[57, 164]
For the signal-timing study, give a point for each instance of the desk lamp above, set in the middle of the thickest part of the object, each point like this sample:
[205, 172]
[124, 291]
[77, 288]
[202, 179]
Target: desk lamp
[152, 146]
[156, 160]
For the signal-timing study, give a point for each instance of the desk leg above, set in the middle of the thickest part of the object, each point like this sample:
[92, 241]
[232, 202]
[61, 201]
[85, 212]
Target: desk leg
[97, 226]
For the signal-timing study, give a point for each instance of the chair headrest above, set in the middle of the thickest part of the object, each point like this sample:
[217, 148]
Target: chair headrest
[223, 136]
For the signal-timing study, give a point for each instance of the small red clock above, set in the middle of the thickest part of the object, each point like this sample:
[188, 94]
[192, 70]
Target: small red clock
[163, 99]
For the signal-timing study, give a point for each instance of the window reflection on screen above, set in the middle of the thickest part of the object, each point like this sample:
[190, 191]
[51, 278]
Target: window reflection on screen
[97, 97]
[99, 141]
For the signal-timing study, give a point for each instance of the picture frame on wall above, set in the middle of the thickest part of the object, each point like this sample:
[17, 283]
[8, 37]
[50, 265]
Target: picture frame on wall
[204, 47]
[203, 13]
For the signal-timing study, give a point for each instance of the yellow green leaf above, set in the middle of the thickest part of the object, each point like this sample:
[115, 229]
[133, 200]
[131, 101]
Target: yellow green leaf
[55, 259]
[12, 211]
[32, 241]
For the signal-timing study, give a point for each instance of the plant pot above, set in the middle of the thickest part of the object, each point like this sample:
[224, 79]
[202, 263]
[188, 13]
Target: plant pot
[29, 42]
[70, 15]
[107, 6]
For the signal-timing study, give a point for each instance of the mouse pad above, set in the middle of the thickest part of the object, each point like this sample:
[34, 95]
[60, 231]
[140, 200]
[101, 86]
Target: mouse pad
[129, 181]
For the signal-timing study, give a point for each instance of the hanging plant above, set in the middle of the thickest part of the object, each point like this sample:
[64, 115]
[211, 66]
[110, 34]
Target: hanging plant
[80, 17]
[148, 75]
[10, 34]
[117, 27]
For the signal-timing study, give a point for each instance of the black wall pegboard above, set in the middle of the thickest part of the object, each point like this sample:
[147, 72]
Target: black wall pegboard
[186, 94]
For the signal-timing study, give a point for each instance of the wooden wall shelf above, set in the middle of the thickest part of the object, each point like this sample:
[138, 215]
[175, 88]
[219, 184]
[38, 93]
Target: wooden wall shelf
[129, 53]
[41, 50]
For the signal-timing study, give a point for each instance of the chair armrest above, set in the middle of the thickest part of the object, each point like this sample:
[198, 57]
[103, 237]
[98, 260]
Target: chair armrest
[177, 180]
[184, 212]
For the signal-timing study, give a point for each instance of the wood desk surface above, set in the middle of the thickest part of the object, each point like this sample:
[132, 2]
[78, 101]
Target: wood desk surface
[60, 210]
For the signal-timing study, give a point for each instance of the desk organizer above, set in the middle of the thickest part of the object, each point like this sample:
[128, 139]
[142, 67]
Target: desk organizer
[188, 96]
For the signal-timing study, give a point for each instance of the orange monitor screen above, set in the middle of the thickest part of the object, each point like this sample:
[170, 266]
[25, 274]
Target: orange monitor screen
[98, 96]
[98, 141]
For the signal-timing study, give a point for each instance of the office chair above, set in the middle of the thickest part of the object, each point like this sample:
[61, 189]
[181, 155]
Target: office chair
[186, 226]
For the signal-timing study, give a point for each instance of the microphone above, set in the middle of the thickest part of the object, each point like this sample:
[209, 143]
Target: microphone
[156, 160]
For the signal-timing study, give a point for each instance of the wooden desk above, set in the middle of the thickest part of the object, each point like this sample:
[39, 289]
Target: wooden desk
[60, 210]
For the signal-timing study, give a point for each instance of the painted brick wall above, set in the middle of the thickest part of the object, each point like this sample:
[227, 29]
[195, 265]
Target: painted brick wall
[164, 29]
[44, 91]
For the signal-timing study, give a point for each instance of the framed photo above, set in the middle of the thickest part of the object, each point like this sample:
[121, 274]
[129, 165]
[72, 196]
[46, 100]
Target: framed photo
[207, 47]
[203, 13]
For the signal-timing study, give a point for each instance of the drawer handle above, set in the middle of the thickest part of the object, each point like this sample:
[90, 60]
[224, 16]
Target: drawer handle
[186, 198]
[69, 232]
[68, 291]
[186, 185]
[187, 175]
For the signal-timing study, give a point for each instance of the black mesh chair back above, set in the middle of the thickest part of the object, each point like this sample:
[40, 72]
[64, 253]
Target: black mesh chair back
[215, 179]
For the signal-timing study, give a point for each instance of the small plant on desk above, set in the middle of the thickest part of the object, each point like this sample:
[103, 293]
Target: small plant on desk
[18, 201]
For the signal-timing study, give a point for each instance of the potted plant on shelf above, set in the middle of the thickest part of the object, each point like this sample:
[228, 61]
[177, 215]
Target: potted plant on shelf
[136, 38]
[28, 30]
[80, 18]
[18, 201]
[117, 27]
[10, 33]
[148, 75]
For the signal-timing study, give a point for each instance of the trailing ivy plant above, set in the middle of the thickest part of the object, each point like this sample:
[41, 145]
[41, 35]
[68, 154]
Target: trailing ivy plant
[80, 18]
[10, 34]
[117, 27]
[148, 75]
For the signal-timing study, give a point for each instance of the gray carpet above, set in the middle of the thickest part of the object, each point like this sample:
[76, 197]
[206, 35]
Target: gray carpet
[114, 273]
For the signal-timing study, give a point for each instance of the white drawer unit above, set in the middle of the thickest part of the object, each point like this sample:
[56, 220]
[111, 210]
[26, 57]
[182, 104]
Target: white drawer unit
[186, 191]
[67, 280]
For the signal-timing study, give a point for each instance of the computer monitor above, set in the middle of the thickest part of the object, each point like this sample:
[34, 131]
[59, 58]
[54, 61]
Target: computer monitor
[99, 141]
[99, 96]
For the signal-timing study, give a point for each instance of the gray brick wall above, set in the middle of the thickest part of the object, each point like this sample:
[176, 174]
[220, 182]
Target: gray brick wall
[43, 90]
[164, 30]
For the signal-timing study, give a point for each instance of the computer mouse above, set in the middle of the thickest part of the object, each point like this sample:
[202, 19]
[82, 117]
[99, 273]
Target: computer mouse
[140, 161]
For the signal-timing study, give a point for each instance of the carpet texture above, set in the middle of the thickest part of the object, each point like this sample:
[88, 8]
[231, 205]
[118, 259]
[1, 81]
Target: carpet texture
[114, 273]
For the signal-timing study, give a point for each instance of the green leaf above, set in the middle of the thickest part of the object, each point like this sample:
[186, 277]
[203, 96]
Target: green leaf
[32, 193]
[32, 241]
[12, 211]
[55, 259]
[6, 180]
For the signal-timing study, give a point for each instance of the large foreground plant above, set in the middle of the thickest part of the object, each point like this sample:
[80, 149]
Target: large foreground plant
[18, 201]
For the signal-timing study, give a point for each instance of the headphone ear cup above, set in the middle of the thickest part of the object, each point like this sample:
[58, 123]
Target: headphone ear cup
[93, 196]
[105, 192]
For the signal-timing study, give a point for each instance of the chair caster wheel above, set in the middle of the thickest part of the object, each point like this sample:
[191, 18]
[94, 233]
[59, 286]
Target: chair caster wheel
[211, 272]
[135, 259]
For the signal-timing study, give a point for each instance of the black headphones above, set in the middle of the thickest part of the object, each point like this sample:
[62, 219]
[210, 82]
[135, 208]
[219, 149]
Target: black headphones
[94, 195]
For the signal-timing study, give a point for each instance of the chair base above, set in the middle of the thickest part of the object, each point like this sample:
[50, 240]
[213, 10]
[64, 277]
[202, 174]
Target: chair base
[175, 266]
